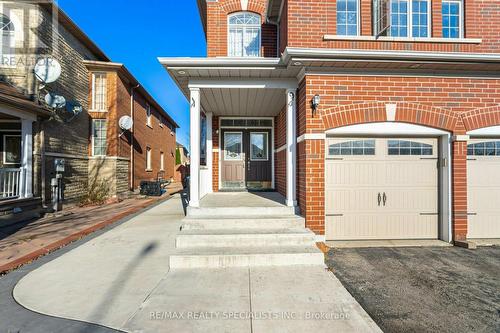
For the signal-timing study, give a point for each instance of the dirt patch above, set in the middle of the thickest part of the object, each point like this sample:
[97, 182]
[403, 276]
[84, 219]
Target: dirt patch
[424, 289]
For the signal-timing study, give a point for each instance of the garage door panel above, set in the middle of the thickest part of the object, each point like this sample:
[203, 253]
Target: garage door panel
[369, 226]
[483, 188]
[409, 182]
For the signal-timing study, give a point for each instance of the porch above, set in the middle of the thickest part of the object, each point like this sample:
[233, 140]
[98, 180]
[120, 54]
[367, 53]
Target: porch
[243, 123]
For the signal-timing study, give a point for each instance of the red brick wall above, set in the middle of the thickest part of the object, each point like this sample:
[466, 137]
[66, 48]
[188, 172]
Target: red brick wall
[216, 148]
[453, 104]
[217, 13]
[308, 21]
[280, 157]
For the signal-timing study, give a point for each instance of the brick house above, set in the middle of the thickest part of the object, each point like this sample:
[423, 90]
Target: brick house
[376, 119]
[31, 31]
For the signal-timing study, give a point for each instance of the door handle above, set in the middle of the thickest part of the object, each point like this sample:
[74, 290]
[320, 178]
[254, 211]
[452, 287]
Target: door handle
[379, 198]
[385, 198]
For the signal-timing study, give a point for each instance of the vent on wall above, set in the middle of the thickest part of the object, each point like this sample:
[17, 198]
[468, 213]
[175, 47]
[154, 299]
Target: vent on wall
[246, 122]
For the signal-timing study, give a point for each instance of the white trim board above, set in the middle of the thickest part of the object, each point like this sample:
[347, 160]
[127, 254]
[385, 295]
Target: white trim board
[386, 129]
[485, 131]
[311, 136]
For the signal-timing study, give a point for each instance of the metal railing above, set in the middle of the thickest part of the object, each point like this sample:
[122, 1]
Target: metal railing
[10, 183]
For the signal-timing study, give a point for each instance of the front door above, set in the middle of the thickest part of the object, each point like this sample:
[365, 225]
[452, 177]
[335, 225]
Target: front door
[246, 161]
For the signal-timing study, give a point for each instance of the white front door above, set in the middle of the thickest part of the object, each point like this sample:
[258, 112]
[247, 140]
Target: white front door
[483, 187]
[380, 188]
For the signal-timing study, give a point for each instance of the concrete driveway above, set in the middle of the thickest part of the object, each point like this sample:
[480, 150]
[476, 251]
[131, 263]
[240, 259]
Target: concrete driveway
[122, 280]
[424, 289]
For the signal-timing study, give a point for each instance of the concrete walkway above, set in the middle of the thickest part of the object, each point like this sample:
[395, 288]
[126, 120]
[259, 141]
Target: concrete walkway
[121, 280]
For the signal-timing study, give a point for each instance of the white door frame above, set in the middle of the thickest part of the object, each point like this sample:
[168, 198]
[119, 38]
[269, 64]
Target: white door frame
[221, 150]
[397, 129]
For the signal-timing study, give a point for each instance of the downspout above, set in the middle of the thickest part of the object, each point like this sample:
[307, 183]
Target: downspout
[132, 108]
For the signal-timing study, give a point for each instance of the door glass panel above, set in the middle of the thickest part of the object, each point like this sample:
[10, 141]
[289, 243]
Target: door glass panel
[232, 146]
[258, 146]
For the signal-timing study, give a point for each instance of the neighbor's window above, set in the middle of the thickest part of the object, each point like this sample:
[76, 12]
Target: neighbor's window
[404, 147]
[148, 115]
[162, 161]
[259, 146]
[347, 17]
[148, 158]
[6, 34]
[99, 92]
[490, 148]
[99, 130]
[12, 149]
[452, 18]
[357, 147]
[244, 35]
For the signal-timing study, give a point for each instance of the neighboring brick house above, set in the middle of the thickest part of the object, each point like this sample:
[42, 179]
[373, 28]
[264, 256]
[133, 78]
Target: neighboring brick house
[31, 31]
[378, 119]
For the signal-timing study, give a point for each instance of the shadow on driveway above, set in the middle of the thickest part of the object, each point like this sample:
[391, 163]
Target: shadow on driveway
[424, 289]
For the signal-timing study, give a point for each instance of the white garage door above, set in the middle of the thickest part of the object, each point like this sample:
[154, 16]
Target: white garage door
[381, 188]
[483, 184]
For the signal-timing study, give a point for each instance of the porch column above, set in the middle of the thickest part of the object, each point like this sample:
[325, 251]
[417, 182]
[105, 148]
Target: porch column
[26, 185]
[291, 147]
[210, 155]
[194, 186]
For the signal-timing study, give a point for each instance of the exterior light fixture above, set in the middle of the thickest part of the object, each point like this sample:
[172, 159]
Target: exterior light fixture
[315, 103]
[297, 63]
[182, 72]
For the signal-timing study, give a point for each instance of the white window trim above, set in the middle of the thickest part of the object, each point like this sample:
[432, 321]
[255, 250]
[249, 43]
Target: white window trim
[4, 150]
[260, 34]
[241, 147]
[358, 21]
[149, 159]
[267, 146]
[148, 115]
[92, 136]
[94, 108]
[461, 19]
[409, 13]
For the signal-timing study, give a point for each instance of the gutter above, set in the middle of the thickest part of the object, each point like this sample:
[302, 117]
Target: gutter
[132, 114]
[445, 57]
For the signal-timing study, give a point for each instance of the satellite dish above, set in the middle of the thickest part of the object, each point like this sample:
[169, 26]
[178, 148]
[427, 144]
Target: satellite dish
[55, 101]
[47, 70]
[125, 123]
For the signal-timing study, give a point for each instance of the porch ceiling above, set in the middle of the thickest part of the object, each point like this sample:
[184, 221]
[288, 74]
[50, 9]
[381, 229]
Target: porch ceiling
[243, 102]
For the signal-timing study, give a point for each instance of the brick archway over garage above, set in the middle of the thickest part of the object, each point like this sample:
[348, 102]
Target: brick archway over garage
[483, 117]
[413, 113]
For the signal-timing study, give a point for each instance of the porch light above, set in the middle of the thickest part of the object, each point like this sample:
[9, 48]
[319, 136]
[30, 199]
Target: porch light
[315, 103]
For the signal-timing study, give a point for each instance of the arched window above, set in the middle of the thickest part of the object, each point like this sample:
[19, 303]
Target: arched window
[6, 25]
[244, 33]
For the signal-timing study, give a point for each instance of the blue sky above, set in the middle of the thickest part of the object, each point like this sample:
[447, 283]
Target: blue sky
[135, 33]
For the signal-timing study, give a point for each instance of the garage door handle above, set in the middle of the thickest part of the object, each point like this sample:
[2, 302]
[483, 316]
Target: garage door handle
[385, 198]
[379, 198]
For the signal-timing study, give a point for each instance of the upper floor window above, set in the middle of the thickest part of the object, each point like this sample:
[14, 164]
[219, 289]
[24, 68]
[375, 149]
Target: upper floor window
[244, 35]
[347, 17]
[148, 115]
[452, 18]
[99, 102]
[6, 25]
[409, 13]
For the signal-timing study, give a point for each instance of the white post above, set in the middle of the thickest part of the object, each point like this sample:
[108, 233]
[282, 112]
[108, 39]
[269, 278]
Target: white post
[26, 184]
[291, 147]
[194, 186]
[210, 155]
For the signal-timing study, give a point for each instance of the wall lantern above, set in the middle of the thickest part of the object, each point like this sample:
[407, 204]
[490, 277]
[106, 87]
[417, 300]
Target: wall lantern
[315, 103]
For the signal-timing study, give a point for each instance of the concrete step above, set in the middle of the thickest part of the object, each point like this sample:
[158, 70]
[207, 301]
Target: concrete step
[238, 222]
[245, 238]
[242, 211]
[222, 257]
